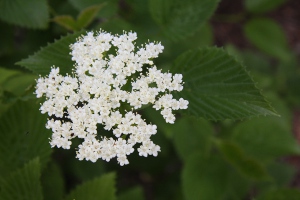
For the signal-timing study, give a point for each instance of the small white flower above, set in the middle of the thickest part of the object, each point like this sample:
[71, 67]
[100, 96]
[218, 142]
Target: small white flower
[96, 91]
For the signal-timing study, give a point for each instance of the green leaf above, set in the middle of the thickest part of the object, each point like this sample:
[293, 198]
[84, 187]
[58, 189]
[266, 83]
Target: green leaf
[280, 194]
[52, 182]
[8, 97]
[134, 193]
[245, 164]
[99, 188]
[265, 138]
[29, 13]
[79, 169]
[218, 87]
[14, 85]
[260, 6]
[191, 136]
[23, 136]
[192, 42]
[83, 20]
[204, 178]
[23, 184]
[88, 15]
[55, 54]
[282, 173]
[180, 19]
[19, 83]
[6, 74]
[66, 21]
[268, 36]
[211, 177]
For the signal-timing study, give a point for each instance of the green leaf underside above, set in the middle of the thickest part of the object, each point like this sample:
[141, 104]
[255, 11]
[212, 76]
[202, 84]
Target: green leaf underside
[23, 136]
[98, 188]
[180, 19]
[218, 87]
[23, 184]
[245, 164]
[55, 54]
[29, 13]
[268, 36]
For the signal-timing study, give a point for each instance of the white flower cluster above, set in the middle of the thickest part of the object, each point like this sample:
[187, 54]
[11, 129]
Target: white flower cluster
[108, 75]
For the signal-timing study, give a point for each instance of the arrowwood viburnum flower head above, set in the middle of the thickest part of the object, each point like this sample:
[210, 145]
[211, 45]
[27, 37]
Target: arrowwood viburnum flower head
[110, 73]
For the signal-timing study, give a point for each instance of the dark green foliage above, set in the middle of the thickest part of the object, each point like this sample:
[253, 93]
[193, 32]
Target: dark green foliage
[260, 6]
[99, 188]
[29, 13]
[179, 19]
[230, 144]
[23, 136]
[56, 54]
[218, 87]
[23, 183]
[268, 36]
[191, 135]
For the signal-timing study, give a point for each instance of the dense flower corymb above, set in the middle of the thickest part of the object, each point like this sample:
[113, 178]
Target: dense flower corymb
[101, 85]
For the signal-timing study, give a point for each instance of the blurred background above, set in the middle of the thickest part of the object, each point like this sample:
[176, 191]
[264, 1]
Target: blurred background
[199, 159]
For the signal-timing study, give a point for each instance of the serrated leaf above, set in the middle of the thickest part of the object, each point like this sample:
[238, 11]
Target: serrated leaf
[265, 138]
[260, 6]
[180, 19]
[99, 188]
[268, 36]
[192, 136]
[23, 184]
[218, 87]
[87, 15]
[280, 194]
[66, 21]
[245, 164]
[23, 136]
[29, 13]
[192, 42]
[134, 193]
[211, 177]
[55, 54]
